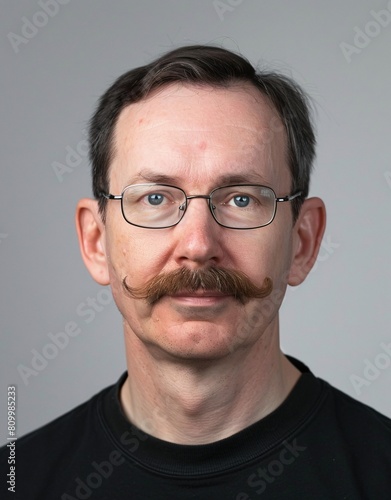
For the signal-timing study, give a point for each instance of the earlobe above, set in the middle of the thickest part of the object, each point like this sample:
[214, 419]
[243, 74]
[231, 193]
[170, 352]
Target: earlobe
[91, 234]
[308, 233]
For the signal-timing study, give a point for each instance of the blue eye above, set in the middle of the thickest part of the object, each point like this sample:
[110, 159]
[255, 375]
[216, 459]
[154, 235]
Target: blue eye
[241, 201]
[155, 199]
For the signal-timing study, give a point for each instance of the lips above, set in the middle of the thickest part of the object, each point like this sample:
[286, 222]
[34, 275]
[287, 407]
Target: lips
[200, 294]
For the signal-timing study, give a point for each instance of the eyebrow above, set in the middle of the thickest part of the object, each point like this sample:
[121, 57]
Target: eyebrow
[226, 179]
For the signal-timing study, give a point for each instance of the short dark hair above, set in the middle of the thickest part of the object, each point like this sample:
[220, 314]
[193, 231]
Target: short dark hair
[209, 66]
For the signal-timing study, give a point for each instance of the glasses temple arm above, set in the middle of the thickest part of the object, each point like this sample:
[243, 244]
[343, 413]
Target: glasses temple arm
[111, 196]
[290, 197]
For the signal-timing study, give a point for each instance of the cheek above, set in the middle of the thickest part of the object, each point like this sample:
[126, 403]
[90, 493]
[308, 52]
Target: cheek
[281, 259]
[124, 260]
[120, 254]
[266, 254]
[135, 254]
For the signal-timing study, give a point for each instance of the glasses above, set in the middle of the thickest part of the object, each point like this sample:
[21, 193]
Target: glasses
[159, 206]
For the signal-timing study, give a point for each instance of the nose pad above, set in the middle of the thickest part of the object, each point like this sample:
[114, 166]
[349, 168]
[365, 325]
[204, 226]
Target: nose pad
[184, 206]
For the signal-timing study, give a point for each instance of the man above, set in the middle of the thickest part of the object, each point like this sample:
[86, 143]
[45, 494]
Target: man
[201, 219]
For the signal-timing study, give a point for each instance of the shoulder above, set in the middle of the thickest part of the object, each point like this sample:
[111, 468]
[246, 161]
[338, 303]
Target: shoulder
[347, 407]
[356, 430]
[64, 430]
[341, 409]
[347, 443]
[43, 456]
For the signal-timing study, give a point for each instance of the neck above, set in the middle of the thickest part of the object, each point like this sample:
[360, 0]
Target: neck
[202, 401]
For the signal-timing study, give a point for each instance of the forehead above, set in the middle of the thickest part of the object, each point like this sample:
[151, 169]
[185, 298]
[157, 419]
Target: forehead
[198, 131]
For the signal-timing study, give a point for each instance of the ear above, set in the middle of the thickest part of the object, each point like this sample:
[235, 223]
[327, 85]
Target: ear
[307, 236]
[91, 233]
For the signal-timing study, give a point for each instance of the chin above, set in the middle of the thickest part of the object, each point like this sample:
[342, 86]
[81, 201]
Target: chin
[197, 341]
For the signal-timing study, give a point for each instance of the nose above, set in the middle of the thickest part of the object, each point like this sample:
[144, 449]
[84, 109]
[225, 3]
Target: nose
[197, 236]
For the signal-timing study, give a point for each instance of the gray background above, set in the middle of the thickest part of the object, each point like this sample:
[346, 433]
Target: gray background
[334, 322]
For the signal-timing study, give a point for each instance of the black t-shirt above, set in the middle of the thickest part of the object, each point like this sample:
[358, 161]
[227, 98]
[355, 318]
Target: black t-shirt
[318, 444]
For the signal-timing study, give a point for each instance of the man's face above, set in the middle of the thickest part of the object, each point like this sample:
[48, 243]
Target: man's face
[199, 138]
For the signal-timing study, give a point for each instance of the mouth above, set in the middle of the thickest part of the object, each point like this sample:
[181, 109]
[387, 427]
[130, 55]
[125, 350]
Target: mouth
[200, 294]
[199, 298]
